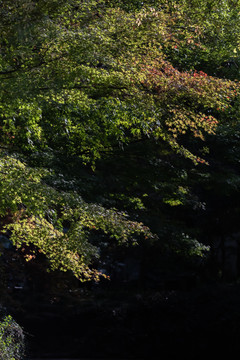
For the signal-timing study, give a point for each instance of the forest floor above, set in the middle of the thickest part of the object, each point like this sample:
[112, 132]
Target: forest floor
[133, 326]
[63, 319]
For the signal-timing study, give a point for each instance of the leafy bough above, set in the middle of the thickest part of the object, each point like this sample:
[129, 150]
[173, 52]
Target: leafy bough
[58, 224]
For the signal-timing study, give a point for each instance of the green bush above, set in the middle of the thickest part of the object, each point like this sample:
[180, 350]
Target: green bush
[11, 340]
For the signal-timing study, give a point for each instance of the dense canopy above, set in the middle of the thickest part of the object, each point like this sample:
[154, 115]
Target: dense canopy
[119, 125]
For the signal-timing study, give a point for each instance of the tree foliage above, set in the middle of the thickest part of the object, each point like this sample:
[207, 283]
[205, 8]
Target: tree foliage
[88, 80]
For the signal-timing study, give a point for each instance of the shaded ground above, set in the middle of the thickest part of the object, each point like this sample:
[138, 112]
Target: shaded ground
[134, 326]
[63, 319]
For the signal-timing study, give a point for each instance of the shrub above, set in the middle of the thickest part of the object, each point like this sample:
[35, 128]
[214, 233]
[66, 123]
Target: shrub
[11, 340]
